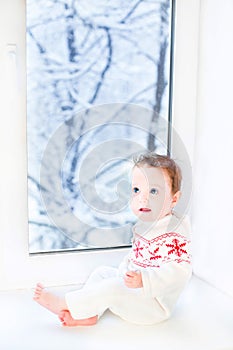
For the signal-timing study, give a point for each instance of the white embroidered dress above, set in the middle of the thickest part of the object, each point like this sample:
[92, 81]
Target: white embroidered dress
[161, 252]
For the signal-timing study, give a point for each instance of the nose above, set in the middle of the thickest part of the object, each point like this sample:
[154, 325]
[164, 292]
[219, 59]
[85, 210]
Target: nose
[143, 197]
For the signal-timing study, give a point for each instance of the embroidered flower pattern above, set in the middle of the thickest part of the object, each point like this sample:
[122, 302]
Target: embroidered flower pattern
[137, 249]
[176, 247]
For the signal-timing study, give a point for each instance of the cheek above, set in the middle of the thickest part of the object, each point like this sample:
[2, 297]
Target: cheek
[166, 204]
[160, 205]
[158, 201]
[134, 205]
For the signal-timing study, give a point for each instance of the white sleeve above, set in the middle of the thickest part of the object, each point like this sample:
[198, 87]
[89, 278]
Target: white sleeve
[123, 267]
[169, 277]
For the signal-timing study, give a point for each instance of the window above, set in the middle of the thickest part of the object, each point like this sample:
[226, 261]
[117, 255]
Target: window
[98, 91]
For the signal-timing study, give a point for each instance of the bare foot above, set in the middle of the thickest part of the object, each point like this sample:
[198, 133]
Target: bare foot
[68, 321]
[48, 300]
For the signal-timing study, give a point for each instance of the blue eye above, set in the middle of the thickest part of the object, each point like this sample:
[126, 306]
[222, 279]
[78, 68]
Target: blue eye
[136, 190]
[154, 191]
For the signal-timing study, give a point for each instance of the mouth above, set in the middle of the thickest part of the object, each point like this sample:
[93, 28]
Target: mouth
[145, 210]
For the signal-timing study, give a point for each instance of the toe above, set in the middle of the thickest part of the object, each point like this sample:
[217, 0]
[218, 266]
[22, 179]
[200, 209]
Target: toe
[39, 286]
[37, 293]
[61, 316]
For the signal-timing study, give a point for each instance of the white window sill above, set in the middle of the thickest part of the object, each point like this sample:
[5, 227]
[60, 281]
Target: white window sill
[202, 321]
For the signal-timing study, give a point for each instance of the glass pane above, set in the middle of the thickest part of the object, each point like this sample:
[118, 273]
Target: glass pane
[98, 92]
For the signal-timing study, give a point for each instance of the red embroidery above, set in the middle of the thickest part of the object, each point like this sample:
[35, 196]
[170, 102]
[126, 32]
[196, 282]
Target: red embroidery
[154, 257]
[137, 249]
[176, 247]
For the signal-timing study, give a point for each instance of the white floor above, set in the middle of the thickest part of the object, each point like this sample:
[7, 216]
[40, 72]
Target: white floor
[203, 320]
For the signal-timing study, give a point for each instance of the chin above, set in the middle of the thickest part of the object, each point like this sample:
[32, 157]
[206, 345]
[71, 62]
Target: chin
[146, 217]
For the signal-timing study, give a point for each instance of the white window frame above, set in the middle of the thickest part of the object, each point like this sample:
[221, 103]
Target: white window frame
[17, 268]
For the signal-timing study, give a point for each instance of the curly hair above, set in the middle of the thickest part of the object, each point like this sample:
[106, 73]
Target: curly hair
[161, 161]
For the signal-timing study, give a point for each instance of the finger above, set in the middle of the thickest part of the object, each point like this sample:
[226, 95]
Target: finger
[128, 283]
[130, 274]
[129, 280]
[61, 316]
[133, 274]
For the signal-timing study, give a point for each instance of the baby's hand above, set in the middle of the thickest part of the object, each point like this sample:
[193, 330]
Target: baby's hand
[133, 279]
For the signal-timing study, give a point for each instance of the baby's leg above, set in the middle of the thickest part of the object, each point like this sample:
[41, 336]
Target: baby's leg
[67, 320]
[58, 306]
[49, 300]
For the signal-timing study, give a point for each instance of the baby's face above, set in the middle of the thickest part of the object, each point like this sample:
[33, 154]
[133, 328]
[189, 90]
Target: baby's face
[151, 193]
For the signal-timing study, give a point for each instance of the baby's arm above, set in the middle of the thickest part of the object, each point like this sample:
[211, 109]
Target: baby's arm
[132, 279]
[170, 276]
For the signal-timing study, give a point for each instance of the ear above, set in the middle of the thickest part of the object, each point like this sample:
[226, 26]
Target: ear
[175, 198]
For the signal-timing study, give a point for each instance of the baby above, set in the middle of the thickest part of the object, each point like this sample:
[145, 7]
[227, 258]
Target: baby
[145, 287]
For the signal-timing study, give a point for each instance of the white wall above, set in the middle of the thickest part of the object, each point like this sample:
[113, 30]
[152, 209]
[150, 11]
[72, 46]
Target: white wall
[212, 210]
[13, 180]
